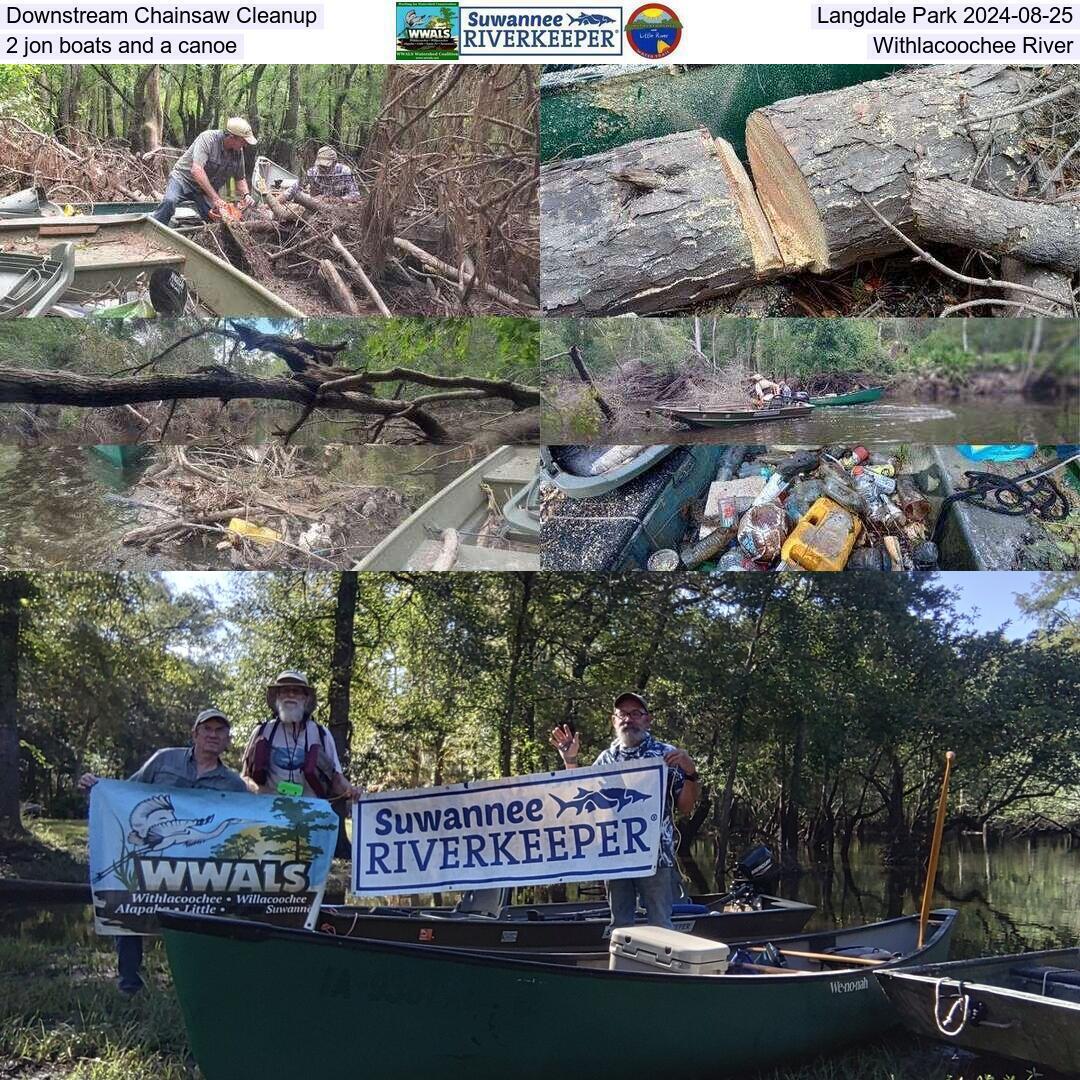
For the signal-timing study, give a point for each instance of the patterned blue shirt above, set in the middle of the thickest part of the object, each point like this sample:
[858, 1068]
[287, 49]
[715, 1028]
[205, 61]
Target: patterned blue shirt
[651, 747]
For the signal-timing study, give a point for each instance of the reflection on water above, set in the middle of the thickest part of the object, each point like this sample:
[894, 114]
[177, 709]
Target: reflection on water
[936, 424]
[1014, 896]
[69, 506]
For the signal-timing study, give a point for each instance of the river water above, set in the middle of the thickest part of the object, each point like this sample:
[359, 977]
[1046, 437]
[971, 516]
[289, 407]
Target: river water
[67, 507]
[1012, 896]
[935, 424]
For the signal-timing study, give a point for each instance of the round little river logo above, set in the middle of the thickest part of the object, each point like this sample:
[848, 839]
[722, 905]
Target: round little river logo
[654, 31]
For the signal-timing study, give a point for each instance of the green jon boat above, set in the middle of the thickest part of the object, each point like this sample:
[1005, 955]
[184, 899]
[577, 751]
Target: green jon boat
[392, 1009]
[856, 397]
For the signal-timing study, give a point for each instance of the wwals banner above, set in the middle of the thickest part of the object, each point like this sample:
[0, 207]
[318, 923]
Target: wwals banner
[205, 852]
[582, 824]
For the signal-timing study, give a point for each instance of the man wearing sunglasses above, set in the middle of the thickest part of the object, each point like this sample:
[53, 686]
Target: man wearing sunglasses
[632, 721]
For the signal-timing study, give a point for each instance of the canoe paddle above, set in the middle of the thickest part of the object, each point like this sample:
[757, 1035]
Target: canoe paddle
[935, 849]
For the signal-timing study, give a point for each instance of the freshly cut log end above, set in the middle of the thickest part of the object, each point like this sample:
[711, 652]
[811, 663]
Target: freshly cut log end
[815, 159]
[657, 225]
[785, 199]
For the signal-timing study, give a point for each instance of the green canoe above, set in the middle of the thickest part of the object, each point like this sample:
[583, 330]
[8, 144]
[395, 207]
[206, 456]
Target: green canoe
[390, 1009]
[856, 397]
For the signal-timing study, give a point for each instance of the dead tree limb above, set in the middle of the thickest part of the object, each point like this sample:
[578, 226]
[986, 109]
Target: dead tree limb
[522, 396]
[88, 391]
[587, 379]
[1043, 234]
[358, 273]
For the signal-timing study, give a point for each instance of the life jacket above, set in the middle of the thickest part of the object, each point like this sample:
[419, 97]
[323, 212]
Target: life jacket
[316, 769]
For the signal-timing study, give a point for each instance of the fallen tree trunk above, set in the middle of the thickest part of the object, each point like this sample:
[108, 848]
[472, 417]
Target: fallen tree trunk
[358, 272]
[814, 159]
[586, 377]
[1055, 282]
[88, 391]
[1044, 234]
[657, 225]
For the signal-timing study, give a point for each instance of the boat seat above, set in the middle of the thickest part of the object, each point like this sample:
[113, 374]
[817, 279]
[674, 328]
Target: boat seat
[689, 909]
[1051, 981]
[592, 534]
[470, 557]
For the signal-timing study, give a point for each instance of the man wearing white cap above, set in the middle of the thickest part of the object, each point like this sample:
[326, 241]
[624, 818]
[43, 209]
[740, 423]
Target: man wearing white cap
[196, 766]
[327, 176]
[213, 159]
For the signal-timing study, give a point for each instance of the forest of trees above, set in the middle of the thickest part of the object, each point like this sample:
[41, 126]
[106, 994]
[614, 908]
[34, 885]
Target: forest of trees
[818, 707]
[145, 106]
[795, 348]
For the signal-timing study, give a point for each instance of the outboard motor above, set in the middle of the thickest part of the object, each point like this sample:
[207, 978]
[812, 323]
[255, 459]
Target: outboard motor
[757, 867]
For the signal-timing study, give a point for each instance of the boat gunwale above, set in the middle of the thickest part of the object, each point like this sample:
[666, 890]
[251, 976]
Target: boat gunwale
[575, 486]
[933, 974]
[253, 931]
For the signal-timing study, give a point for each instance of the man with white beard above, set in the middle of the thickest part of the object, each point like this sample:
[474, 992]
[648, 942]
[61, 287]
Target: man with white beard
[632, 721]
[292, 754]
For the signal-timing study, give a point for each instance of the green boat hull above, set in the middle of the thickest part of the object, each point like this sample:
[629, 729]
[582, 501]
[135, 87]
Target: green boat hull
[600, 109]
[387, 1009]
[857, 397]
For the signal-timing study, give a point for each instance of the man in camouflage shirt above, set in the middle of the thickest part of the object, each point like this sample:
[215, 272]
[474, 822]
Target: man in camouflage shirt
[632, 721]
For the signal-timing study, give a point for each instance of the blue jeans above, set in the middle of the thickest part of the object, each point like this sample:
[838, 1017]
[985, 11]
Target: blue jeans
[129, 952]
[654, 893]
[175, 192]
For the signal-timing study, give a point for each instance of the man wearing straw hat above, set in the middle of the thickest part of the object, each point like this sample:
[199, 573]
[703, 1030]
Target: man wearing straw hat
[292, 754]
[214, 158]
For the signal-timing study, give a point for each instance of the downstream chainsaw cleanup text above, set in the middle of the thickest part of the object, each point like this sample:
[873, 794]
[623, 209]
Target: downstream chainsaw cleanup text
[49, 31]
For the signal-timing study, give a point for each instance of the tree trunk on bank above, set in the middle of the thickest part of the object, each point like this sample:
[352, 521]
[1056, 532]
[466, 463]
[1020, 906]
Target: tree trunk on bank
[341, 673]
[13, 588]
[253, 117]
[814, 159]
[1044, 234]
[654, 226]
[292, 120]
[517, 646]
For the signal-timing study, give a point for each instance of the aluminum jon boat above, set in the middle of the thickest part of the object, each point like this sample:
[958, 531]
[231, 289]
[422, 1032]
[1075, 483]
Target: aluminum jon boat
[409, 1010]
[502, 483]
[119, 252]
[1025, 1007]
[570, 927]
[733, 414]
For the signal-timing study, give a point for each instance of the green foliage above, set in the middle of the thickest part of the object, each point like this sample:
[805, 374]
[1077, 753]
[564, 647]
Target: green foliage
[18, 96]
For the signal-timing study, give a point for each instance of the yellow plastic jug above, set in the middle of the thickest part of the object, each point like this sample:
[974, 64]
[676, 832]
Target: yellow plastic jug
[823, 538]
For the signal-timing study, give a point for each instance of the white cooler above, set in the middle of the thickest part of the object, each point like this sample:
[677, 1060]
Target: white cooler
[652, 948]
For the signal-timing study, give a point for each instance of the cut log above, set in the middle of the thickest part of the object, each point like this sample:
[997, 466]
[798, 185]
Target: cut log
[358, 273]
[335, 285]
[814, 159]
[1045, 234]
[657, 225]
[1055, 282]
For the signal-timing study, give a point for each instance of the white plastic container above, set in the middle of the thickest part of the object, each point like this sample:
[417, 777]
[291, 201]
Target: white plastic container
[652, 948]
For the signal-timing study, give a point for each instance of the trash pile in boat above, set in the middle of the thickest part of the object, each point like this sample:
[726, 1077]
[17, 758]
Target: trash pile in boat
[263, 505]
[841, 508]
[83, 170]
[447, 219]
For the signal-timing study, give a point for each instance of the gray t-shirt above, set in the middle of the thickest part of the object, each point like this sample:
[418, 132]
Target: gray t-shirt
[289, 746]
[175, 767]
[208, 150]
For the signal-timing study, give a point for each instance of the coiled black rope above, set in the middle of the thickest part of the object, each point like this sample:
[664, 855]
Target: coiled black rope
[1008, 495]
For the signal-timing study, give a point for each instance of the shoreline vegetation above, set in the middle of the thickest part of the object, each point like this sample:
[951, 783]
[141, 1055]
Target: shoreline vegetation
[636, 363]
